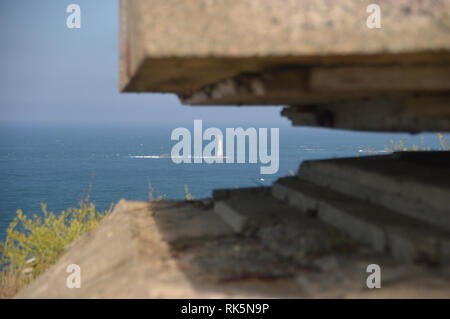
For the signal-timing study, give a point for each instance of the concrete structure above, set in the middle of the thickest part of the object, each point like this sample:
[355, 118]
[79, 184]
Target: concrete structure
[306, 236]
[311, 235]
[319, 55]
[182, 249]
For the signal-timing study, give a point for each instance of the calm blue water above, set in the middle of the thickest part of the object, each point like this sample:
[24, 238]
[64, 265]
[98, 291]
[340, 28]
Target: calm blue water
[56, 164]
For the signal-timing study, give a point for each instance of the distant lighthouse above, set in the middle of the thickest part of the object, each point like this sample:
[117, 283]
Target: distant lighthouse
[220, 147]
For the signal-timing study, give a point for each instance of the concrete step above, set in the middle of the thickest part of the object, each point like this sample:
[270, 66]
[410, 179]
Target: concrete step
[255, 213]
[405, 238]
[402, 183]
[182, 249]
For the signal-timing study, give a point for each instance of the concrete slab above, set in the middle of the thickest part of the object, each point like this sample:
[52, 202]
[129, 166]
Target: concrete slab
[291, 233]
[418, 190]
[407, 239]
[180, 46]
[328, 86]
[400, 113]
[183, 222]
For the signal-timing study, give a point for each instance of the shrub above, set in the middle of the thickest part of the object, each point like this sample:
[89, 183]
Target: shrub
[188, 195]
[33, 244]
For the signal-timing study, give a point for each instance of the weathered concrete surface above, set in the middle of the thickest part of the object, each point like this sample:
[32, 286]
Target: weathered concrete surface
[405, 238]
[290, 232]
[179, 249]
[179, 46]
[411, 187]
[379, 113]
[327, 85]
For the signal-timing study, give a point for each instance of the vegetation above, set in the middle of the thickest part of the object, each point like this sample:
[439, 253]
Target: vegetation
[151, 197]
[400, 146]
[444, 144]
[34, 244]
[188, 195]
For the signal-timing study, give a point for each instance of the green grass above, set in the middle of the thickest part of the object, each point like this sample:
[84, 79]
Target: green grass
[34, 244]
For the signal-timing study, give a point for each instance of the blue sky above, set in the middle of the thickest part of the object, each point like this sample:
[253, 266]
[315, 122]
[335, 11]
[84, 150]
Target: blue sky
[51, 73]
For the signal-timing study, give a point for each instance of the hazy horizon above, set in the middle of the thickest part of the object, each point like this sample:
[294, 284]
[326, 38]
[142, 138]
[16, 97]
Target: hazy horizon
[54, 74]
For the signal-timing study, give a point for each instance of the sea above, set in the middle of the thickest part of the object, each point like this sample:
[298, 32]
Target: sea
[61, 164]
